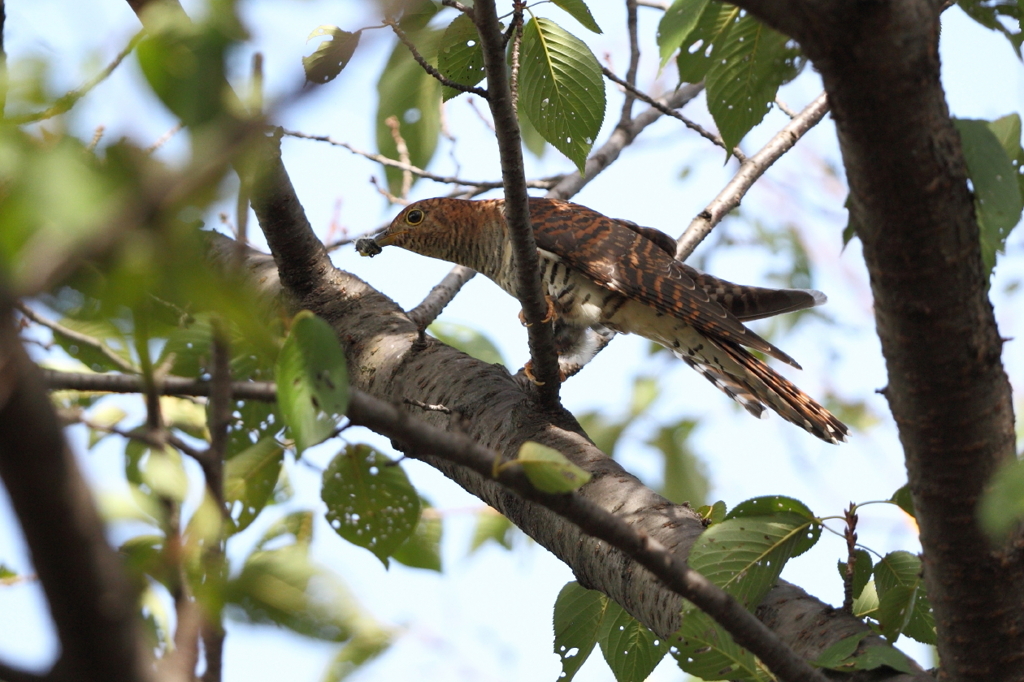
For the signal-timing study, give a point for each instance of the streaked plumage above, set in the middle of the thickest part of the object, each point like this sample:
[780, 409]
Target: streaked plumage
[605, 275]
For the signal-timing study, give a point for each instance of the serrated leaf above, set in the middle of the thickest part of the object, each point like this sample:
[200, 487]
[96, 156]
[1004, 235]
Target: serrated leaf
[904, 500]
[701, 46]
[631, 650]
[423, 548]
[862, 569]
[903, 606]
[835, 655]
[249, 480]
[997, 192]
[703, 649]
[579, 613]
[779, 504]
[491, 525]
[459, 55]
[1002, 505]
[413, 96]
[750, 64]
[679, 20]
[468, 340]
[549, 470]
[370, 501]
[312, 382]
[561, 88]
[331, 56]
[579, 11]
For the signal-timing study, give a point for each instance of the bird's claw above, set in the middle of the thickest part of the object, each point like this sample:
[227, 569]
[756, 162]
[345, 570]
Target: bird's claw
[528, 371]
[551, 313]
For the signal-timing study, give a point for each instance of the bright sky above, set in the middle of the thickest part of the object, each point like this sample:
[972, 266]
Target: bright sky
[488, 616]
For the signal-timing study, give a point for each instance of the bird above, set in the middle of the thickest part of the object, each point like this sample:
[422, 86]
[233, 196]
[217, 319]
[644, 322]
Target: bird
[604, 276]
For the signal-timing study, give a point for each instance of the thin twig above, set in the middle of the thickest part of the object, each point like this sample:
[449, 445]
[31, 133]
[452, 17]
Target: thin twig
[749, 171]
[263, 391]
[440, 296]
[479, 114]
[427, 407]
[634, 63]
[437, 75]
[850, 533]
[785, 108]
[68, 100]
[403, 153]
[517, 40]
[78, 337]
[162, 140]
[96, 137]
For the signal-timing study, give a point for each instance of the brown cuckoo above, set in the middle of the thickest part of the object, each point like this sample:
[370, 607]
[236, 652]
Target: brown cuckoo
[604, 275]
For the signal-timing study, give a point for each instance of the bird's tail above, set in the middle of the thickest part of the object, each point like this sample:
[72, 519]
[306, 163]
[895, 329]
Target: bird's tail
[761, 386]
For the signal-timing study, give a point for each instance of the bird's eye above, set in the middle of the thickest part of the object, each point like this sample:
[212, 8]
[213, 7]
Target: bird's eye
[414, 217]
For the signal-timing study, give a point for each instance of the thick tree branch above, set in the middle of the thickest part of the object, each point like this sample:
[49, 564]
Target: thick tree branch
[749, 171]
[517, 212]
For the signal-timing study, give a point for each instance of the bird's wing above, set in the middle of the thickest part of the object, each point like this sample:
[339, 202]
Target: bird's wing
[622, 259]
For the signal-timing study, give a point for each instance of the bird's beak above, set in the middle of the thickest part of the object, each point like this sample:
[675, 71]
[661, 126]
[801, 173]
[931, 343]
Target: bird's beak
[371, 246]
[385, 238]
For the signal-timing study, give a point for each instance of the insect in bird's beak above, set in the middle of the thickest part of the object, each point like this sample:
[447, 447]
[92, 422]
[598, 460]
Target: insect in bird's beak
[371, 246]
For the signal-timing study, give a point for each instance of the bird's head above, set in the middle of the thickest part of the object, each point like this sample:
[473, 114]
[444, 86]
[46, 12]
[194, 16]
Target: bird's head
[431, 227]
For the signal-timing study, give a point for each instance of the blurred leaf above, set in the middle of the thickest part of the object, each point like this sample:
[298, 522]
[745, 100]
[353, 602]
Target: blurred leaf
[991, 13]
[645, 392]
[104, 415]
[331, 56]
[6, 572]
[1002, 505]
[904, 500]
[561, 88]
[416, 14]
[580, 12]
[679, 20]
[370, 501]
[604, 432]
[491, 525]
[158, 620]
[312, 382]
[685, 478]
[997, 193]
[548, 469]
[249, 480]
[750, 64]
[903, 605]
[579, 613]
[413, 96]
[532, 139]
[164, 474]
[862, 569]
[704, 649]
[1008, 131]
[103, 331]
[460, 57]
[369, 642]
[631, 650]
[298, 525]
[468, 340]
[701, 46]
[423, 548]
[143, 555]
[184, 415]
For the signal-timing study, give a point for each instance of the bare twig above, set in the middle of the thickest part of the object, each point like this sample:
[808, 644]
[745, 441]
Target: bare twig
[634, 63]
[78, 337]
[516, 30]
[437, 75]
[426, 407]
[125, 383]
[749, 171]
[162, 140]
[440, 296]
[68, 100]
[96, 137]
[403, 153]
[785, 108]
[850, 533]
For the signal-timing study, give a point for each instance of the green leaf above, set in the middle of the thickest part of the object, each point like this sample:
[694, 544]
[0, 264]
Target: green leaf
[645, 392]
[164, 474]
[862, 568]
[423, 548]
[685, 478]
[904, 500]
[712, 513]
[103, 331]
[779, 504]
[882, 654]
[413, 96]
[549, 470]
[579, 613]
[561, 88]
[1008, 131]
[997, 192]
[703, 649]
[368, 643]
[903, 605]
[370, 501]
[866, 605]
[491, 525]
[468, 340]
[700, 48]
[631, 650]
[312, 382]
[835, 656]
[298, 524]
[1002, 506]
[750, 64]
[580, 12]
[604, 432]
[998, 15]
[676, 24]
[331, 56]
[532, 139]
[249, 480]
[459, 56]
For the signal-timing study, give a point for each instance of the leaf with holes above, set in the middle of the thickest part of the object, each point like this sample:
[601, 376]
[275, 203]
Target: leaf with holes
[631, 650]
[459, 56]
[703, 649]
[677, 24]
[903, 606]
[561, 88]
[780, 504]
[749, 66]
[370, 501]
[312, 382]
[249, 480]
[331, 56]
[702, 44]
[548, 469]
[579, 613]
[580, 12]
[412, 96]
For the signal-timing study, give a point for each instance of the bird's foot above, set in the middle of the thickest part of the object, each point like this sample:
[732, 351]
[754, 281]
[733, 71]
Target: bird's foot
[551, 313]
[528, 371]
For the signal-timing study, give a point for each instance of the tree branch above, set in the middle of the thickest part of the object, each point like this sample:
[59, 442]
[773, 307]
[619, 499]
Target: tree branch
[749, 171]
[437, 75]
[517, 212]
